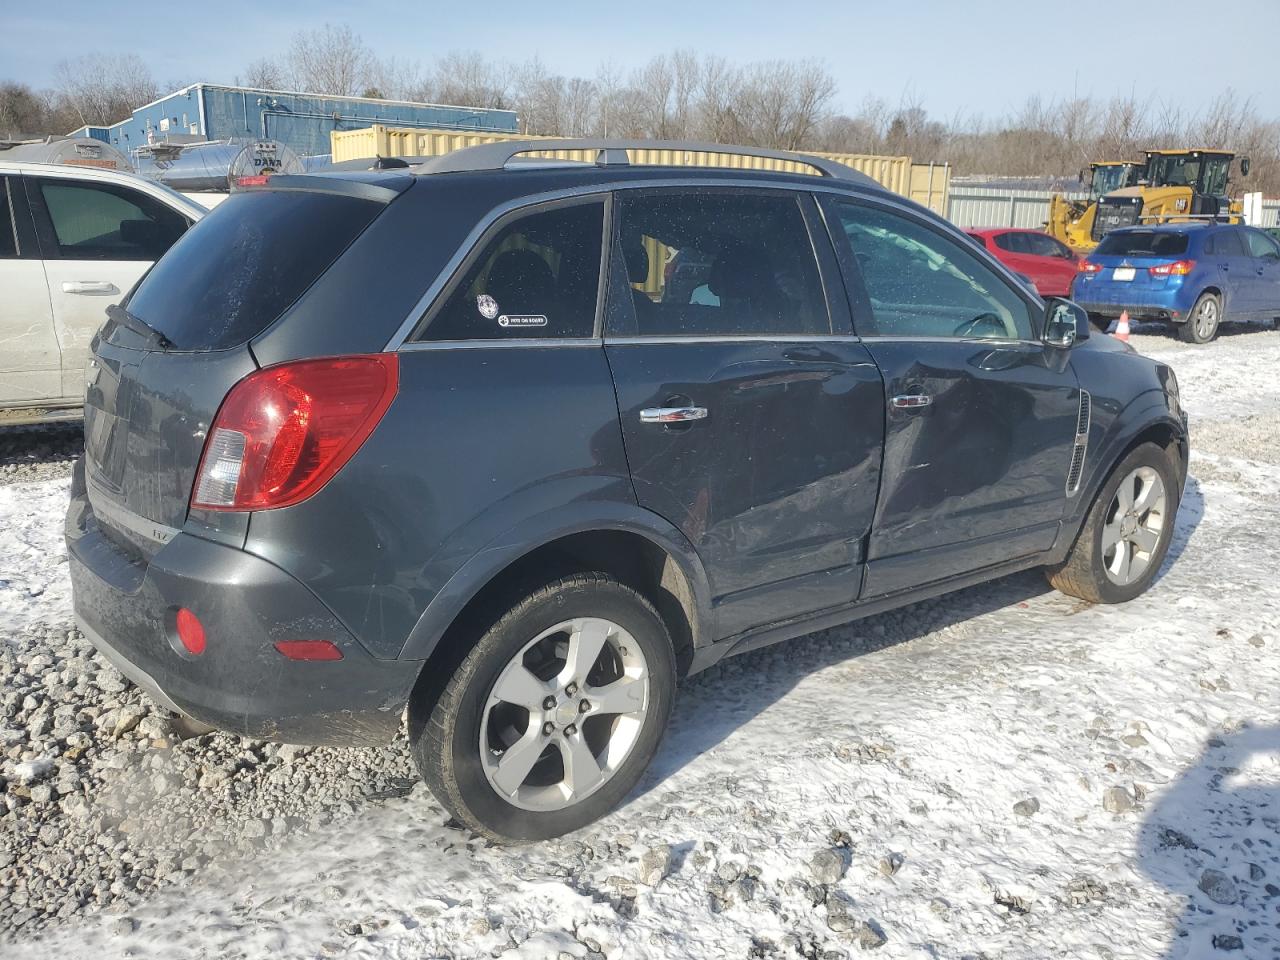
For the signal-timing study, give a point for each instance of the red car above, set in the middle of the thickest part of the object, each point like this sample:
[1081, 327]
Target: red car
[1046, 262]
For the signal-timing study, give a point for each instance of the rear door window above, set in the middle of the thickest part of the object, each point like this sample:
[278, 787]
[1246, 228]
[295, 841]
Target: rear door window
[1014, 242]
[244, 264]
[691, 263]
[106, 221]
[1043, 245]
[1229, 243]
[538, 276]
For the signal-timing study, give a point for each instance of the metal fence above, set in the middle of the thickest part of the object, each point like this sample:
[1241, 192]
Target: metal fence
[987, 207]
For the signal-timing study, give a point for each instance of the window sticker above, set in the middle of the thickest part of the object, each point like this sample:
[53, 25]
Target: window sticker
[522, 320]
[487, 306]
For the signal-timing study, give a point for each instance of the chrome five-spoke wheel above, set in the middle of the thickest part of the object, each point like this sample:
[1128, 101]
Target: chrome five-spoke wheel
[564, 714]
[1135, 522]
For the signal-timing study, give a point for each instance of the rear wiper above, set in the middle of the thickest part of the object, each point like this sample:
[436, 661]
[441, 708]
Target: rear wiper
[123, 318]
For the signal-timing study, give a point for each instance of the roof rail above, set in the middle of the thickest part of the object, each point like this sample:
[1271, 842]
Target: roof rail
[613, 153]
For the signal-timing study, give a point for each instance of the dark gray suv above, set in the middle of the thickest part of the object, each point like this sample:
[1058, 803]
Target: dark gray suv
[514, 445]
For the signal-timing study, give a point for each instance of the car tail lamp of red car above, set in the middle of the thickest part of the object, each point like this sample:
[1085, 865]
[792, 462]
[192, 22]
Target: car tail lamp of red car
[1088, 266]
[1179, 268]
[283, 432]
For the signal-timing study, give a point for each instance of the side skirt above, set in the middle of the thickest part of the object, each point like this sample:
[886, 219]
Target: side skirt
[837, 616]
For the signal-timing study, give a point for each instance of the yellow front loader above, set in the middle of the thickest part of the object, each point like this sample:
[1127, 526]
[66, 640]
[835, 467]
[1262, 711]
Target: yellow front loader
[1176, 186]
[1071, 221]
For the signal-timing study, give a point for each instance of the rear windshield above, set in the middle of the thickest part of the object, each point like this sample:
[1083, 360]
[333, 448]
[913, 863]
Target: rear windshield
[1143, 243]
[239, 268]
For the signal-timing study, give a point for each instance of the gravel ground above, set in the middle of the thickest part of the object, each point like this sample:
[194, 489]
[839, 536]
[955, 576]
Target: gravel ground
[108, 805]
[38, 453]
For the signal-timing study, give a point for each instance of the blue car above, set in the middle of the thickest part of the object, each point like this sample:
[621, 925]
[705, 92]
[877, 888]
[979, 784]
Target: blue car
[1192, 275]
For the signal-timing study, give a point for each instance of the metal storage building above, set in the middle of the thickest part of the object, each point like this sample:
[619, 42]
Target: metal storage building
[301, 121]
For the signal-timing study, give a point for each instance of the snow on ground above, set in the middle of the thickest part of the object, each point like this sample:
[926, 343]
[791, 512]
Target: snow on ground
[1148, 737]
[33, 578]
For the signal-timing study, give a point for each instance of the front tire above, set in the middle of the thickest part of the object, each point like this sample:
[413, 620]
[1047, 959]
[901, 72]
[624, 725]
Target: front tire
[553, 716]
[1126, 535]
[1203, 321]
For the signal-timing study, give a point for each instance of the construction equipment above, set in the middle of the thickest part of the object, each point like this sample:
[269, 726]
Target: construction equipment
[1071, 221]
[1177, 185]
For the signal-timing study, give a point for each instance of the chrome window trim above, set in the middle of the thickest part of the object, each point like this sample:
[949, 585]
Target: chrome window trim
[401, 337]
[415, 346]
[735, 338]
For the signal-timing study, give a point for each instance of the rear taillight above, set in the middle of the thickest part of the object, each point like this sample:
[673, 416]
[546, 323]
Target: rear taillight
[1088, 266]
[1179, 268]
[284, 431]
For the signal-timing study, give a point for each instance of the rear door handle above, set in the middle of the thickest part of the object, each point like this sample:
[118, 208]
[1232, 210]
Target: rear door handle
[672, 414]
[88, 286]
[911, 401]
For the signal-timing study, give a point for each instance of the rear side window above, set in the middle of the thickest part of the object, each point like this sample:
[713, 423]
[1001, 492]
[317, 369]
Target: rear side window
[241, 267]
[539, 276]
[105, 221]
[1143, 243]
[697, 263]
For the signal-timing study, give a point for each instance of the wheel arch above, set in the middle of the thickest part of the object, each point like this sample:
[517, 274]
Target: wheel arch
[639, 548]
[1150, 423]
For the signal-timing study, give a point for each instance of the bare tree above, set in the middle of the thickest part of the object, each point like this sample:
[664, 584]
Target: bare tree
[470, 80]
[330, 60]
[99, 89]
[265, 74]
[22, 111]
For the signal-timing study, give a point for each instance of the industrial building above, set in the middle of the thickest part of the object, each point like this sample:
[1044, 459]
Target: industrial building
[301, 121]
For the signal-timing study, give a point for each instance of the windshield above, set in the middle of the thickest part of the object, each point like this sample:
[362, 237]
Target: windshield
[1180, 170]
[1142, 243]
[1113, 177]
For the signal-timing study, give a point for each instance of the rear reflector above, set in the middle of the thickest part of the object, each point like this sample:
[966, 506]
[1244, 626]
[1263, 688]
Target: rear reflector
[309, 649]
[284, 431]
[190, 632]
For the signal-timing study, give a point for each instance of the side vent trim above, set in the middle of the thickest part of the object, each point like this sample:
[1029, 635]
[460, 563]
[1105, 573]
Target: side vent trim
[1076, 472]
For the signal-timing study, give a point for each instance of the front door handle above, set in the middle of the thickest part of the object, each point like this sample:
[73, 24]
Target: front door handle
[911, 401]
[672, 414]
[88, 286]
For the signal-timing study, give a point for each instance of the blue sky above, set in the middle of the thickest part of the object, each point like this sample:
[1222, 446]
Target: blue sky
[979, 57]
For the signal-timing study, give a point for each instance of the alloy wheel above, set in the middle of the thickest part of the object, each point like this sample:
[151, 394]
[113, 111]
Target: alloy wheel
[564, 714]
[1135, 523]
[1206, 319]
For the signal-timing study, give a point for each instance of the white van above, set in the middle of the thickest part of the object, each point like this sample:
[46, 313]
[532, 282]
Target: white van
[73, 240]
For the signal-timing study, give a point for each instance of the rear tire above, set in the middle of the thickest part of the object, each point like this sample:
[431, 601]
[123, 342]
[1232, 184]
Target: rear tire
[1126, 534]
[535, 735]
[1099, 322]
[1203, 321]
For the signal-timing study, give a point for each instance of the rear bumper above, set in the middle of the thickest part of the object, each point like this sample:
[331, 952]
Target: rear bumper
[1110, 300]
[241, 683]
[1138, 311]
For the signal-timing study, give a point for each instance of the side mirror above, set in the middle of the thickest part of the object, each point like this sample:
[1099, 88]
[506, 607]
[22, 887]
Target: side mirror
[1065, 323]
[1244, 166]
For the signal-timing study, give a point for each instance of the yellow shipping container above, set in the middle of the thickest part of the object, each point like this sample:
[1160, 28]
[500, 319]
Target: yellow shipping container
[925, 183]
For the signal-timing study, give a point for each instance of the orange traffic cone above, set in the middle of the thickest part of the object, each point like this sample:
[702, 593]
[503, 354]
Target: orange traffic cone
[1122, 327]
